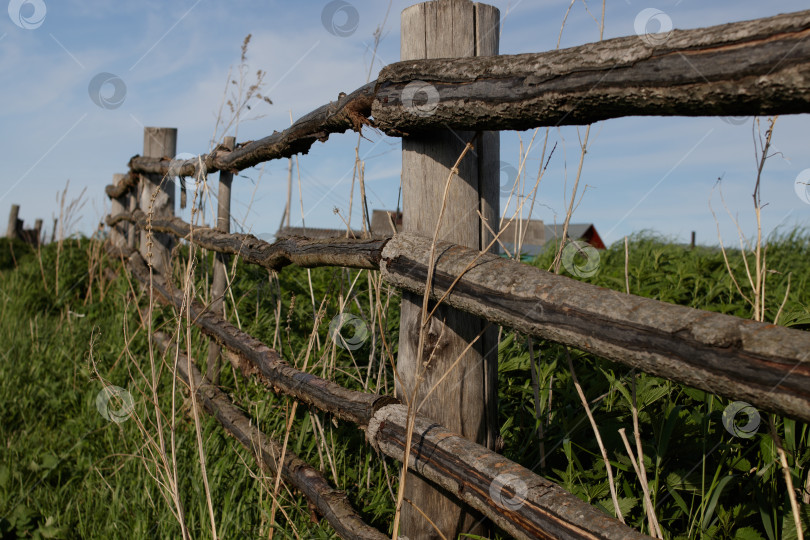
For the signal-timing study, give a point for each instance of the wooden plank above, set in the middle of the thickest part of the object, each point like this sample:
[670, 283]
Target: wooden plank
[763, 364]
[748, 68]
[118, 233]
[132, 204]
[126, 185]
[487, 36]
[13, 230]
[38, 231]
[525, 505]
[220, 261]
[331, 503]
[304, 252]
[348, 112]
[466, 399]
[157, 198]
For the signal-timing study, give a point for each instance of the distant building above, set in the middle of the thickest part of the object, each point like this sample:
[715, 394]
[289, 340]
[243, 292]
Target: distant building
[381, 224]
[536, 234]
[314, 232]
[380, 227]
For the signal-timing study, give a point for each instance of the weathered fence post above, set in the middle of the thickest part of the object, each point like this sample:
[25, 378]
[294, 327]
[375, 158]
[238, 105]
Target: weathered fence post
[117, 236]
[38, 229]
[220, 262]
[157, 196]
[132, 204]
[13, 228]
[466, 401]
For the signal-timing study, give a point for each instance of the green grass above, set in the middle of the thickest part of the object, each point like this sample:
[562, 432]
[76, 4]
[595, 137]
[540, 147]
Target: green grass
[67, 472]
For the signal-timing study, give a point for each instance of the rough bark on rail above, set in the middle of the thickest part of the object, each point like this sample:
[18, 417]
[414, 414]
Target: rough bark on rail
[123, 187]
[525, 505]
[760, 363]
[304, 252]
[256, 358]
[331, 503]
[746, 68]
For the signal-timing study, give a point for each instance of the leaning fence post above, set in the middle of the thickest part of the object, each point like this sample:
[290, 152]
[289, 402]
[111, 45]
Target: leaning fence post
[220, 261]
[13, 231]
[117, 236]
[157, 197]
[466, 401]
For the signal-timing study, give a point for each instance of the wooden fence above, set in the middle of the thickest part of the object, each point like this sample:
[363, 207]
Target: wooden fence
[16, 228]
[749, 68]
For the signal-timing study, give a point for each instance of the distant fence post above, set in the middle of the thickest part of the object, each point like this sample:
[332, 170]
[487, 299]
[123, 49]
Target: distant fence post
[13, 228]
[158, 143]
[132, 203]
[220, 262]
[466, 401]
[38, 229]
[117, 236]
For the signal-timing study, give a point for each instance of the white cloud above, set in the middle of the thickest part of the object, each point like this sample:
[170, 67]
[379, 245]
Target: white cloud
[180, 83]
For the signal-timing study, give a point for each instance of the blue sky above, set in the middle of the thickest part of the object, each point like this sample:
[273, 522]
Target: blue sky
[173, 57]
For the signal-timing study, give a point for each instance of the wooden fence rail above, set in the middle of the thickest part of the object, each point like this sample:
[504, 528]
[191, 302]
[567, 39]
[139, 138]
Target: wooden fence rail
[304, 252]
[534, 507]
[764, 364]
[748, 68]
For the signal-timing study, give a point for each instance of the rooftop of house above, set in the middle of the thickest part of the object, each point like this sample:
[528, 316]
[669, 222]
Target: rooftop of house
[316, 232]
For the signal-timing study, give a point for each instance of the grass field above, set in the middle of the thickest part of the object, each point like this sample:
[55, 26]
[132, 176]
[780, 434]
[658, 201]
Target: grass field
[66, 471]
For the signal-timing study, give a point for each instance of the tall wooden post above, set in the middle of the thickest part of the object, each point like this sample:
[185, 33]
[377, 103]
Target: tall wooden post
[466, 401]
[13, 229]
[220, 262]
[157, 197]
[117, 235]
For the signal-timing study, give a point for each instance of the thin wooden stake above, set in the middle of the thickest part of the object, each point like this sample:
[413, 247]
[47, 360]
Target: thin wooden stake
[13, 229]
[219, 281]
